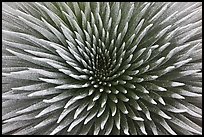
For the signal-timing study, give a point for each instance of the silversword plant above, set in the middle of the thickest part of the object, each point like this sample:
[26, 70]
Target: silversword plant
[102, 68]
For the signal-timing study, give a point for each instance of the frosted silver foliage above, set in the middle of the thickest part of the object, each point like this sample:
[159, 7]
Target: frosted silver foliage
[102, 68]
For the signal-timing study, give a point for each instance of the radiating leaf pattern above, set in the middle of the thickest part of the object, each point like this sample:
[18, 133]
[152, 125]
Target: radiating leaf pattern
[102, 68]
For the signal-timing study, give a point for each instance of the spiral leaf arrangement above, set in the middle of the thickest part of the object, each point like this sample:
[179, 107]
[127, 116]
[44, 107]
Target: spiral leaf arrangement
[102, 68]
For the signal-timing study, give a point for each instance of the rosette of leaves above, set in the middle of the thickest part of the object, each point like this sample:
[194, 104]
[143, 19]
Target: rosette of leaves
[102, 68]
